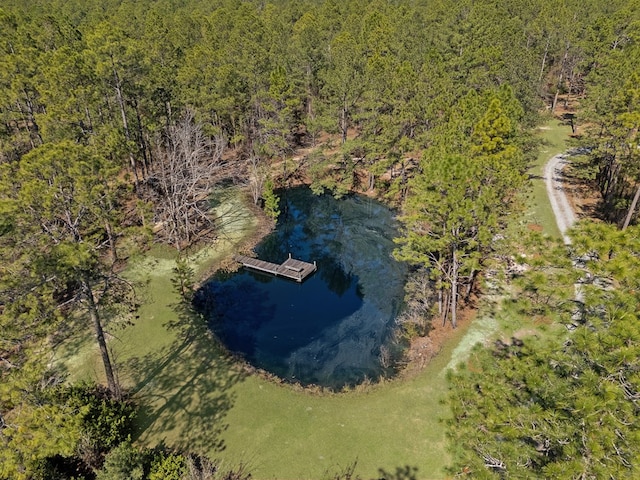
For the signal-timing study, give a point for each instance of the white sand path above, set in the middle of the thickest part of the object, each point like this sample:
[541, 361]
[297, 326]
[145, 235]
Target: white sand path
[565, 217]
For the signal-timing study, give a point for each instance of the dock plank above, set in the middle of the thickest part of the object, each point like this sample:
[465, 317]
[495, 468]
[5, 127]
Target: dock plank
[291, 268]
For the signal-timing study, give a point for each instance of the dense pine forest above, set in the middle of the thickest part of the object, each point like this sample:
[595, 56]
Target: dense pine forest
[118, 118]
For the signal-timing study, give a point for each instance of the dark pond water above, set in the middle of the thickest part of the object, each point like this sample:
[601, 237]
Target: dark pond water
[328, 330]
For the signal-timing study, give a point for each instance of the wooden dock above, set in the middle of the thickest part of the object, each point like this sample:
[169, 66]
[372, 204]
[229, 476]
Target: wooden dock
[291, 268]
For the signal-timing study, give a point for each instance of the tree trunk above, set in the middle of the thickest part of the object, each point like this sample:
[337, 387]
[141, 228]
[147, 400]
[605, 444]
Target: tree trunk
[472, 282]
[309, 92]
[26, 122]
[142, 144]
[445, 307]
[612, 181]
[343, 120]
[544, 60]
[89, 119]
[454, 290]
[632, 208]
[99, 332]
[168, 112]
[125, 126]
[560, 77]
[403, 181]
[112, 241]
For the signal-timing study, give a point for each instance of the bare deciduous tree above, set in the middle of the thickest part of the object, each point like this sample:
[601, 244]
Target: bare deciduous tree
[188, 165]
[419, 300]
[257, 174]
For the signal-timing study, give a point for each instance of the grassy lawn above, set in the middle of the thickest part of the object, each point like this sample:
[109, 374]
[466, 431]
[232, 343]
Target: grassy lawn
[286, 434]
[193, 397]
[554, 136]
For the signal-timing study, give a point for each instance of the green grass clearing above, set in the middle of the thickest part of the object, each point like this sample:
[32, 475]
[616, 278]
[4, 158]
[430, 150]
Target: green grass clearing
[152, 275]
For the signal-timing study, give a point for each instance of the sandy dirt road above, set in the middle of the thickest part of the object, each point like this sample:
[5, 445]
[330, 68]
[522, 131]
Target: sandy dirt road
[565, 217]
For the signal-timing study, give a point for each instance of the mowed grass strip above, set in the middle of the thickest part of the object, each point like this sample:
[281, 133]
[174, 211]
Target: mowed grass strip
[554, 135]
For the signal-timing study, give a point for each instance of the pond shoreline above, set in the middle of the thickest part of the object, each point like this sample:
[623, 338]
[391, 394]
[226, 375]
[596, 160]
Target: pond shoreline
[415, 354]
[263, 227]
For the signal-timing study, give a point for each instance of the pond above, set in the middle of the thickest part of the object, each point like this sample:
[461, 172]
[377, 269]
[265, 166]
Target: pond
[334, 329]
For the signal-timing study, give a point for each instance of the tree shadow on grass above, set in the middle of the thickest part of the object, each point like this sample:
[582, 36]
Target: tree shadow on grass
[185, 390]
[72, 342]
[406, 472]
[401, 473]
